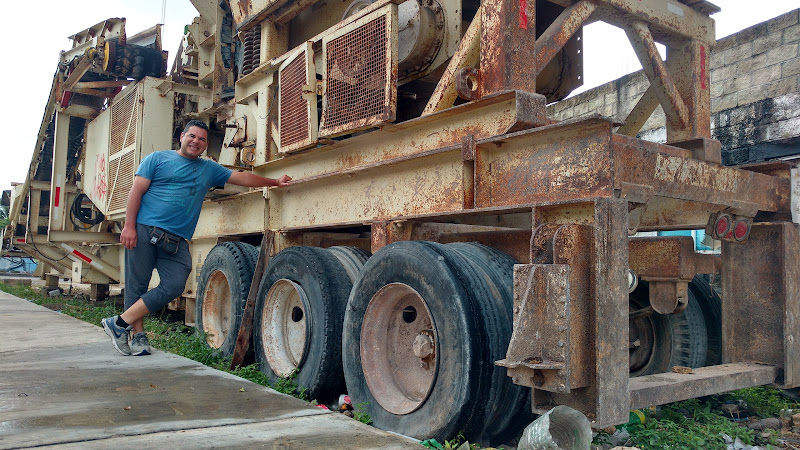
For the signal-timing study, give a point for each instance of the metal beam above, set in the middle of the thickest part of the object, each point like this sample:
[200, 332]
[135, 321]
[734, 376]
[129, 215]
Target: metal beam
[656, 71]
[468, 54]
[662, 388]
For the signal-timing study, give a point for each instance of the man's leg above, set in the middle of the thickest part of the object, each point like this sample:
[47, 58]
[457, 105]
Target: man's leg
[139, 264]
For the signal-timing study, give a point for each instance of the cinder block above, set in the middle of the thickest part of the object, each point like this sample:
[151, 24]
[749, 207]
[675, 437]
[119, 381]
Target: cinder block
[782, 53]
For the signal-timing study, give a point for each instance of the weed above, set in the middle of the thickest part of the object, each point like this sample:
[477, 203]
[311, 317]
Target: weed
[763, 400]
[360, 414]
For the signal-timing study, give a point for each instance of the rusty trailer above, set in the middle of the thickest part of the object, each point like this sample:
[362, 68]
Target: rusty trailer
[446, 254]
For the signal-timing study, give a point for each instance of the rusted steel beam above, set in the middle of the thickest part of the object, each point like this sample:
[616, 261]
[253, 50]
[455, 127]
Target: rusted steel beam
[246, 327]
[640, 113]
[656, 71]
[560, 31]
[688, 62]
[670, 20]
[508, 36]
[665, 388]
[77, 73]
[761, 288]
[604, 285]
[559, 163]
[467, 55]
[698, 181]
[668, 258]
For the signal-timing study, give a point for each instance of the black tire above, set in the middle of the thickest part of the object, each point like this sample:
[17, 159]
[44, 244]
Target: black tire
[317, 360]
[458, 387]
[666, 340]
[351, 258]
[711, 304]
[222, 293]
[490, 273]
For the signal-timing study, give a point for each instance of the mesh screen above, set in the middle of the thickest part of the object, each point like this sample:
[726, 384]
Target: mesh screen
[293, 108]
[123, 122]
[356, 77]
[121, 171]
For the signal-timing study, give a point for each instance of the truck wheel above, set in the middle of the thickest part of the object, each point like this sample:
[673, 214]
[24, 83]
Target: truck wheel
[222, 292]
[660, 341]
[298, 320]
[711, 305]
[414, 346]
[491, 275]
[351, 258]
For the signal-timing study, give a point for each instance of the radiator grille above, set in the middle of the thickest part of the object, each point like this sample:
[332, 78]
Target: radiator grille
[293, 111]
[121, 172]
[124, 114]
[358, 79]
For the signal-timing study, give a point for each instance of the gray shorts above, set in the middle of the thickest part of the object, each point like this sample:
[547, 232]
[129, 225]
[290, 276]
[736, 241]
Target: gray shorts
[173, 270]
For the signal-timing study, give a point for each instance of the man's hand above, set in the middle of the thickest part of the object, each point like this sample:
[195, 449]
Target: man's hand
[252, 180]
[284, 180]
[128, 237]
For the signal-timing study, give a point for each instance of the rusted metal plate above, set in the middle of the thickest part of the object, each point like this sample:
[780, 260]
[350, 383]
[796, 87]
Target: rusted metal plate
[698, 181]
[668, 257]
[539, 352]
[664, 388]
[761, 288]
[553, 163]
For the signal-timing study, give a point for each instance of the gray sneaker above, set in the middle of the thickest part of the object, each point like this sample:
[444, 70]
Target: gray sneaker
[140, 346]
[119, 336]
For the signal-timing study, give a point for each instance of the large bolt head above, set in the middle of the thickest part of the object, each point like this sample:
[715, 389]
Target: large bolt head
[422, 346]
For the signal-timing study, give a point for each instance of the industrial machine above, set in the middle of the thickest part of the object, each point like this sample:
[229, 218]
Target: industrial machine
[447, 254]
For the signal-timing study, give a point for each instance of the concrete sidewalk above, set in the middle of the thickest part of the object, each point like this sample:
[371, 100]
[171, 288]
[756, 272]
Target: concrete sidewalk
[62, 384]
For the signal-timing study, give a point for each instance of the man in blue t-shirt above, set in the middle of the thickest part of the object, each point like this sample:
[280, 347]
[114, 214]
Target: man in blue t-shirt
[163, 207]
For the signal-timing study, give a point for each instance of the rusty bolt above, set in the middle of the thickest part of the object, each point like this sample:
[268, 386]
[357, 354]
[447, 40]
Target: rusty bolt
[423, 346]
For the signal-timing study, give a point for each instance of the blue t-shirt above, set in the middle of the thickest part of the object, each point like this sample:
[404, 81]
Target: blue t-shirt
[178, 186]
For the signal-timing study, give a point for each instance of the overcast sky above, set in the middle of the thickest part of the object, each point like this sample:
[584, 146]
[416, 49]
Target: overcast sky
[34, 39]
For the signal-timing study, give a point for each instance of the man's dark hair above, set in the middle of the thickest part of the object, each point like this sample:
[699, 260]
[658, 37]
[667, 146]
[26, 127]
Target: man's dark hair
[195, 123]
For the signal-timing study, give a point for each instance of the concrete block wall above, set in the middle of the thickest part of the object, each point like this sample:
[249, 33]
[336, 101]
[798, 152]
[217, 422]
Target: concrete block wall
[755, 94]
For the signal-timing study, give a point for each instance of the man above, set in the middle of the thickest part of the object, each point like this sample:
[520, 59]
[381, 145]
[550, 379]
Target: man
[163, 207]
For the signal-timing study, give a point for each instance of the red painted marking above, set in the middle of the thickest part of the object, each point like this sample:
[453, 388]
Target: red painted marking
[82, 256]
[702, 66]
[20, 240]
[58, 196]
[523, 14]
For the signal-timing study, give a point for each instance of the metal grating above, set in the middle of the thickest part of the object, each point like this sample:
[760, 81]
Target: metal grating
[123, 122]
[293, 109]
[358, 84]
[121, 172]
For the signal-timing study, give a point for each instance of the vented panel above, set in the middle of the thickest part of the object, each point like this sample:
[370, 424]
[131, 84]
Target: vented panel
[123, 122]
[297, 117]
[360, 69]
[121, 171]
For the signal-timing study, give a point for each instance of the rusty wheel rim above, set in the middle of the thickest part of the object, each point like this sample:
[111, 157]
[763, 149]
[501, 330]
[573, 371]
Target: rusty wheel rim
[286, 327]
[217, 309]
[642, 337]
[399, 348]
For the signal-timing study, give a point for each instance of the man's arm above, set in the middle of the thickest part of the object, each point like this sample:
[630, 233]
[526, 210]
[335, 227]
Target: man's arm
[252, 180]
[128, 236]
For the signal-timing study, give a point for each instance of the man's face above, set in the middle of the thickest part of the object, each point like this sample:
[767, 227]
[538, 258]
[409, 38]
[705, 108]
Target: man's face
[193, 142]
